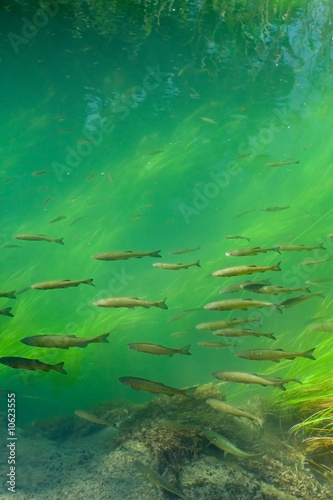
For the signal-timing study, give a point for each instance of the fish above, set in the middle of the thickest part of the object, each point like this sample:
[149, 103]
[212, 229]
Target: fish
[128, 254]
[242, 270]
[240, 304]
[235, 287]
[129, 302]
[330, 235]
[6, 312]
[181, 332]
[12, 246]
[64, 341]
[31, 364]
[158, 349]
[243, 252]
[216, 345]
[299, 248]
[326, 326]
[273, 354]
[280, 380]
[57, 219]
[298, 300]
[156, 152]
[175, 267]
[315, 281]
[313, 262]
[273, 209]
[225, 323]
[273, 289]
[227, 446]
[236, 237]
[233, 410]
[247, 378]
[282, 163]
[157, 479]
[182, 314]
[40, 172]
[185, 250]
[141, 384]
[50, 285]
[242, 332]
[8, 295]
[208, 120]
[38, 237]
[49, 198]
[243, 212]
[92, 418]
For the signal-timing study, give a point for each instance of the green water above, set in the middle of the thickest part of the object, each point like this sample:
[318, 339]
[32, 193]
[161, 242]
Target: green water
[154, 125]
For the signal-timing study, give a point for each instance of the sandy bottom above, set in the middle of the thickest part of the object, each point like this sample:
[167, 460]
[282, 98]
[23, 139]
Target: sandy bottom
[92, 467]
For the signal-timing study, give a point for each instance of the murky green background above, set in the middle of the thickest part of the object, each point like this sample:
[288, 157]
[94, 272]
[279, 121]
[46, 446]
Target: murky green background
[154, 125]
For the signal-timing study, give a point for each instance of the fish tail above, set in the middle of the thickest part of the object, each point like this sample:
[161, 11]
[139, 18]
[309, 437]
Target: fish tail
[261, 422]
[277, 249]
[11, 294]
[6, 312]
[189, 391]
[276, 266]
[321, 246]
[161, 304]
[270, 336]
[248, 239]
[297, 379]
[298, 162]
[197, 263]
[89, 282]
[60, 241]
[156, 253]
[309, 354]
[59, 368]
[277, 308]
[185, 350]
[308, 289]
[320, 294]
[102, 339]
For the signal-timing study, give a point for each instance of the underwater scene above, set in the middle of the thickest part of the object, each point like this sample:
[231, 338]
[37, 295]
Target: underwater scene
[166, 240]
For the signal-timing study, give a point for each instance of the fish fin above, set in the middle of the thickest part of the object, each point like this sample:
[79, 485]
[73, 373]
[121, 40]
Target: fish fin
[298, 379]
[21, 290]
[60, 241]
[308, 289]
[309, 354]
[276, 266]
[278, 361]
[6, 312]
[11, 294]
[277, 308]
[72, 336]
[185, 350]
[280, 386]
[89, 282]
[128, 251]
[156, 253]
[190, 391]
[161, 304]
[197, 263]
[271, 336]
[321, 246]
[248, 239]
[320, 294]
[102, 339]
[59, 368]
[276, 249]
[298, 162]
